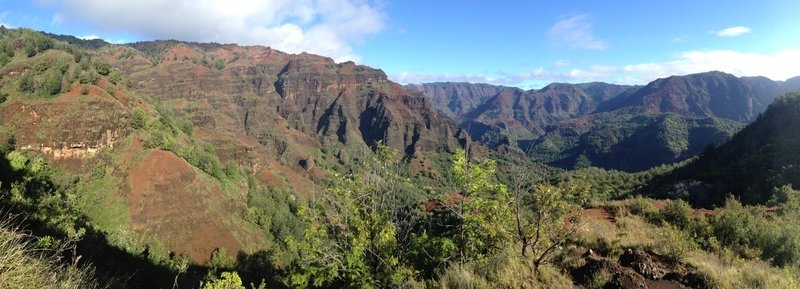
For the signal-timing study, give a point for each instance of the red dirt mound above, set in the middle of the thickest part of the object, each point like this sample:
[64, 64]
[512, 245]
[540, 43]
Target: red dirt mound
[168, 200]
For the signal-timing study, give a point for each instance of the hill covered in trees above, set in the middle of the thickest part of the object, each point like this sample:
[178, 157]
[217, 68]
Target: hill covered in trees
[753, 163]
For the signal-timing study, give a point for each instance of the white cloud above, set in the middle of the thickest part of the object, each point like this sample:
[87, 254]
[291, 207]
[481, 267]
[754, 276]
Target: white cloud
[561, 63]
[575, 33]
[778, 65]
[328, 28]
[732, 31]
[89, 37]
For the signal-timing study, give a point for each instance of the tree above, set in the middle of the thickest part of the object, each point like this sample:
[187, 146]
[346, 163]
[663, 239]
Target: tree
[467, 224]
[227, 280]
[482, 211]
[541, 215]
[547, 227]
[352, 236]
[348, 240]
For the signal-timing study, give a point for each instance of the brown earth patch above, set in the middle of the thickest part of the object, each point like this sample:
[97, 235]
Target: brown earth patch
[270, 178]
[168, 200]
[298, 183]
[600, 214]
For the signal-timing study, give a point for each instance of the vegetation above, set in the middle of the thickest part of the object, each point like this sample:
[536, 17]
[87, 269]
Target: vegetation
[30, 262]
[761, 157]
[469, 222]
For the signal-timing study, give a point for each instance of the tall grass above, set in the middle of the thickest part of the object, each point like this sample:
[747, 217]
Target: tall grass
[24, 265]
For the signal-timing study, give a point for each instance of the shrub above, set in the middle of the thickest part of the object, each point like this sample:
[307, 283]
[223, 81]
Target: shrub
[138, 118]
[641, 207]
[102, 67]
[26, 83]
[36, 43]
[114, 77]
[3, 97]
[674, 244]
[461, 277]
[678, 212]
[52, 84]
[40, 67]
[599, 279]
[220, 260]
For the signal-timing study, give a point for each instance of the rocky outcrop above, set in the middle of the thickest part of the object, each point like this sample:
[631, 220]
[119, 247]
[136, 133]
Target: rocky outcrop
[72, 127]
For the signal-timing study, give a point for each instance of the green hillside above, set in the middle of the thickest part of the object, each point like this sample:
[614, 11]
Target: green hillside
[760, 158]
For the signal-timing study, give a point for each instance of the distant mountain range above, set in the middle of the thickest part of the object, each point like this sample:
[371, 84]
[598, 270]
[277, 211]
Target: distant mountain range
[612, 126]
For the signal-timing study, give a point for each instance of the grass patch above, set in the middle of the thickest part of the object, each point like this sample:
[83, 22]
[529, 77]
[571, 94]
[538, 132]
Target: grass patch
[26, 265]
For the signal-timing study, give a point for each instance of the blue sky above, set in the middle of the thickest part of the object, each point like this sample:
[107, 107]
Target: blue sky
[518, 43]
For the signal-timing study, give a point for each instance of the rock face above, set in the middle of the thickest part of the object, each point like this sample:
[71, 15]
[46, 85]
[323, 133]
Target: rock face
[252, 90]
[456, 99]
[63, 130]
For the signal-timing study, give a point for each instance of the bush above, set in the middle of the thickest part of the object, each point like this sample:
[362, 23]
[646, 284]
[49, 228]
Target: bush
[3, 97]
[36, 43]
[461, 277]
[26, 83]
[102, 67]
[52, 84]
[679, 213]
[642, 207]
[599, 279]
[114, 77]
[674, 244]
[40, 67]
[138, 118]
[220, 260]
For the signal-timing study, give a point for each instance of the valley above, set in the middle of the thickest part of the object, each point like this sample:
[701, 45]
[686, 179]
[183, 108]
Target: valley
[163, 164]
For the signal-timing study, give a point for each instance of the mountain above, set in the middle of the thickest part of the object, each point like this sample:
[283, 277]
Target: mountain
[791, 84]
[710, 94]
[455, 99]
[621, 127]
[761, 157]
[168, 143]
[535, 109]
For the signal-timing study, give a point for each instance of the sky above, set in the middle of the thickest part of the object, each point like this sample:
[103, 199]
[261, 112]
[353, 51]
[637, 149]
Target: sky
[526, 44]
